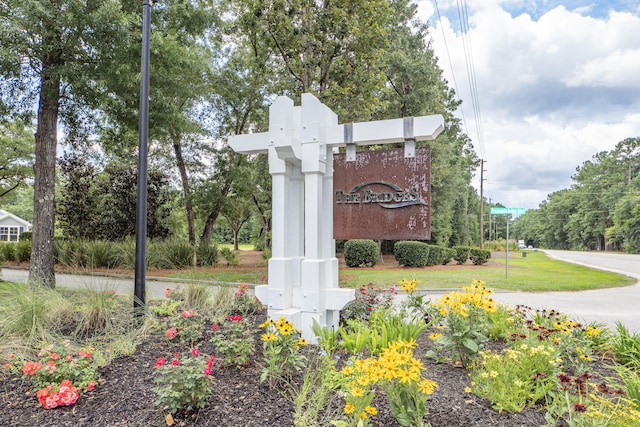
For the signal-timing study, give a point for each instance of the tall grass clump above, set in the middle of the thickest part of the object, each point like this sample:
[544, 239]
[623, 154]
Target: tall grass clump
[33, 315]
[101, 253]
[626, 347]
[208, 254]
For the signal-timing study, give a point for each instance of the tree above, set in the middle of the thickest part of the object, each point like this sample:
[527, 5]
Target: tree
[16, 156]
[237, 212]
[47, 50]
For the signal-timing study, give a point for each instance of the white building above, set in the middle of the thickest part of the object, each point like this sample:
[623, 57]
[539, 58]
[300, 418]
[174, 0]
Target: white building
[12, 226]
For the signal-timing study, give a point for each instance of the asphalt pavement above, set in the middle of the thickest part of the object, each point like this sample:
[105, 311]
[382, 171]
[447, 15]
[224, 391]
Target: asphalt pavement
[606, 306]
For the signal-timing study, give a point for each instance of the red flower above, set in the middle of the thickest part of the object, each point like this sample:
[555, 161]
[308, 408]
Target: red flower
[167, 294]
[187, 314]
[6, 365]
[91, 385]
[83, 353]
[175, 362]
[159, 362]
[207, 371]
[171, 333]
[55, 356]
[195, 352]
[215, 327]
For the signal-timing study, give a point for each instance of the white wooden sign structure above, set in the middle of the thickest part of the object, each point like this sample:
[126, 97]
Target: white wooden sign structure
[303, 270]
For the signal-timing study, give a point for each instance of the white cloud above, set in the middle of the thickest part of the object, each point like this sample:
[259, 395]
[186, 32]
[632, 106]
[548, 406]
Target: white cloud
[553, 91]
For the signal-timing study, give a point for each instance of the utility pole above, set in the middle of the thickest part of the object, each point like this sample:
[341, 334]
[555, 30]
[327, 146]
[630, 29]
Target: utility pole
[489, 221]
[482, 204]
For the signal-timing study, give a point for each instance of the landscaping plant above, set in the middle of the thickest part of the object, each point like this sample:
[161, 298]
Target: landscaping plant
[233, 340]
[59, 375]
[281, 351]
[183, 382]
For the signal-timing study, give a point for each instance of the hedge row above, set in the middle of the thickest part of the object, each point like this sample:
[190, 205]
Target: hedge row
[420, 254]
[167, 254]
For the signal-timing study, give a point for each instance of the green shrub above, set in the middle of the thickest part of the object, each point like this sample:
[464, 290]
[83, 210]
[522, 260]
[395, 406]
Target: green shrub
[437, 255]
[102, 254]
[228, 255]
[479, 256]
[71, 253]
[176, 254]
[207, 254]
[359, 252]
[447, 256]
[411, 253]
[461, 254]
[23, 250]
[7, 251]
[26, 235]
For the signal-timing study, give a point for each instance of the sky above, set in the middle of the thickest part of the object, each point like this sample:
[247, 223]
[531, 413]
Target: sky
[557, 81]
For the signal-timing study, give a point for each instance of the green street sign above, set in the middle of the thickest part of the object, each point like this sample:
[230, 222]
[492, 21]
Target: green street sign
[506, 211]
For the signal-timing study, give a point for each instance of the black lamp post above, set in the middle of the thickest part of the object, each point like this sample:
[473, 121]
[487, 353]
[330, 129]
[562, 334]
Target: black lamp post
[139, 300]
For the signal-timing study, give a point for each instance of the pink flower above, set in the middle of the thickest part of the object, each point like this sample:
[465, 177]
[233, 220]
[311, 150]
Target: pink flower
[171, 333]
[91, 385]
[6, 365]
[175, 362]
[215, 327]
[212, 357]
[209, 363]
[187, 314]
[207, 371]
[159, 362]
[239, 293]
[167, 294]
[195, 352]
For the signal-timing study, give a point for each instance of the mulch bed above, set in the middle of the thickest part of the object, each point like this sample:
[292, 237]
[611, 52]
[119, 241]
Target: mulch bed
[125, 397]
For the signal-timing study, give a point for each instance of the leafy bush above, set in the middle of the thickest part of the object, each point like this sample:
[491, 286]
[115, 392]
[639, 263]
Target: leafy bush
[461, 254]
[176, 254]
[23, 251]
[367, 300]
[411, 254]
[447, 256]
[233, 340]
[479, 256]
[26, 235]
[207, 254]
[229, 256]
[183, 383]
[360, 252]
[7, 251]
[102, 254]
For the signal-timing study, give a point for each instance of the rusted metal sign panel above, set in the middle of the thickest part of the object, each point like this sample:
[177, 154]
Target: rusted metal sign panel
[382, 195]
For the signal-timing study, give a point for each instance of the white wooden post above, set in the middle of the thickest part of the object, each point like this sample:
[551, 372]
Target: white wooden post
[303, 270]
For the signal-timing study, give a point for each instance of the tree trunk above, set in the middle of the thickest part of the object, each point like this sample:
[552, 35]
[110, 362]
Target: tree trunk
[41, 269]
[177, 148]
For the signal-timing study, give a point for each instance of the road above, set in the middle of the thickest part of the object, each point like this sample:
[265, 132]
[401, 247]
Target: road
[606, 306]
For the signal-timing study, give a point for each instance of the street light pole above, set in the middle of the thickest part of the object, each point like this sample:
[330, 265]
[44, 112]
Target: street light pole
[139, 300]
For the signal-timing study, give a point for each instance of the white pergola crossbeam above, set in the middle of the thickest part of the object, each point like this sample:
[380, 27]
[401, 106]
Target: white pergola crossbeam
[303, 270]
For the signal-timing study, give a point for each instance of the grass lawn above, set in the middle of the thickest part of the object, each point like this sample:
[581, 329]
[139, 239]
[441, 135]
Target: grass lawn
[535, 273]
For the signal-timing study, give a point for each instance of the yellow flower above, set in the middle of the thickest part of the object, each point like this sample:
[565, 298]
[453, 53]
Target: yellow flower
[347, 370]
[371, 410]
[467, 389]
[302, 341]
[266, 323]
[363, 415]
[434, 336]
[349, 408]
[269, 336]
[357, 392]
[427, 386]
